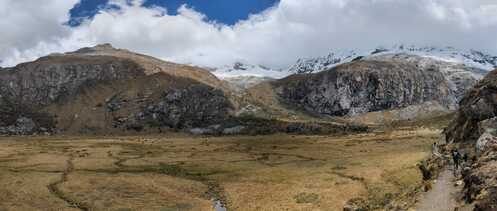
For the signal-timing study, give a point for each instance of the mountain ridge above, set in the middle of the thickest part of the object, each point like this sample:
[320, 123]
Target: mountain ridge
[471, 58]
[400, 86]
[103, 90]
[245, 75]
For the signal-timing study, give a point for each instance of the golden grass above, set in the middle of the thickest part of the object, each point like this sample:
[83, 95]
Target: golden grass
[28, 191]
[276, 172]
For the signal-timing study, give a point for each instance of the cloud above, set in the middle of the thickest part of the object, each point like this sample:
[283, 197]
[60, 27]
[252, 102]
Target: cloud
[276, 37]
[26, 26]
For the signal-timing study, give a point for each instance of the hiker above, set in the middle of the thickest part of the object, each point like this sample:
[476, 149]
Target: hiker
[456, 157]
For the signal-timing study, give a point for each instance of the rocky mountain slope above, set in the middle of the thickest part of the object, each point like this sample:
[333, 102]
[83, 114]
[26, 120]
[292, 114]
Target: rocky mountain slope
[475, 130]
[470, 58]
[105, 89]
[242, 76]
[479, 104]
[379, 83]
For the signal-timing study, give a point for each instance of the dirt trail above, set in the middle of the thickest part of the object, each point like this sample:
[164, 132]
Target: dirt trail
[442, 197]
[54, 189]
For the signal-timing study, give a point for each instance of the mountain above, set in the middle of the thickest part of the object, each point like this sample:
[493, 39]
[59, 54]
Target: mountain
[312, 65]
[241, 83]
[238, 69]
[240, 76]
[474, 130]
[408, 86]
[101, 89]
[470, 58]
[104, 90]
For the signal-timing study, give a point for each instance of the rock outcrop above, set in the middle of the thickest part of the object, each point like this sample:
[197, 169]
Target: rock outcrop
[378, 83]
[479, 104]
[22, 126]
[193, 106]
[475, 127]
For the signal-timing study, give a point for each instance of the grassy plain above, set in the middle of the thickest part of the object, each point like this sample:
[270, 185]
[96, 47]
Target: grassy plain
[276, 172]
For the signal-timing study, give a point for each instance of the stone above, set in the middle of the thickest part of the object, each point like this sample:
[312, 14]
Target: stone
[201, 131]
[485, 142]
[22, 126]
[234, 130]
[356, 204]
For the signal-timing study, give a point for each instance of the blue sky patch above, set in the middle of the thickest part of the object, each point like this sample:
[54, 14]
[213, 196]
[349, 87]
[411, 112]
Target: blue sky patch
[223, 11]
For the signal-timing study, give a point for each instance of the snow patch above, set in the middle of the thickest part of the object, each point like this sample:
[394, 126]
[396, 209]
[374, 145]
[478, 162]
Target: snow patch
[470, 58]
[240, 69]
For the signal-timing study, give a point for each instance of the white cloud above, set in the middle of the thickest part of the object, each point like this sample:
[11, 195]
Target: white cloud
[26, 25]
[276, 37]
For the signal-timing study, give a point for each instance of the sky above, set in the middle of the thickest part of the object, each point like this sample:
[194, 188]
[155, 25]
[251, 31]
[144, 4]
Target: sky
[218, 32]
[223, 11]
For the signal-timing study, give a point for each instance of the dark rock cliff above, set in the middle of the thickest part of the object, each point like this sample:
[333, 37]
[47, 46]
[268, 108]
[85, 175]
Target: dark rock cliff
[475, 128]
[369, 85]
[479, 104]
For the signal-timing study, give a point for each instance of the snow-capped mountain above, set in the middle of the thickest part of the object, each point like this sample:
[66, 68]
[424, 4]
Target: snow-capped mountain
[239, 69]
[470, 58]
[460, 77]
[241, 76]
[449, 60]
[317, 64]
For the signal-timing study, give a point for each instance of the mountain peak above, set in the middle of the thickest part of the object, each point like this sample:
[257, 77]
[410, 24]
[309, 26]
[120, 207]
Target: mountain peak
[104, 46]
[97, 48]
[238, 69]
[470, 58]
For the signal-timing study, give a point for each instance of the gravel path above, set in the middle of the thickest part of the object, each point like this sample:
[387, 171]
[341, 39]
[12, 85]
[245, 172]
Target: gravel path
[442, 197]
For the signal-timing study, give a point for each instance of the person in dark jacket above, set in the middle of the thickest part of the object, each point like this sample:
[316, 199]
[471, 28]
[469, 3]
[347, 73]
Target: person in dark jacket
[456, 157]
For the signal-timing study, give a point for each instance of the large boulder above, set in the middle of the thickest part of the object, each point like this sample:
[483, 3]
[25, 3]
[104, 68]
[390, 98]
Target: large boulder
[488, 139]
[22, 126]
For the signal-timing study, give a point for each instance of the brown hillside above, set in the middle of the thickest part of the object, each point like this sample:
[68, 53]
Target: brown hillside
[103, 88]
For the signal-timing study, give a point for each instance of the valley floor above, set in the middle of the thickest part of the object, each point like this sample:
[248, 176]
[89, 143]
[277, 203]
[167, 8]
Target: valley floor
[277, 172]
